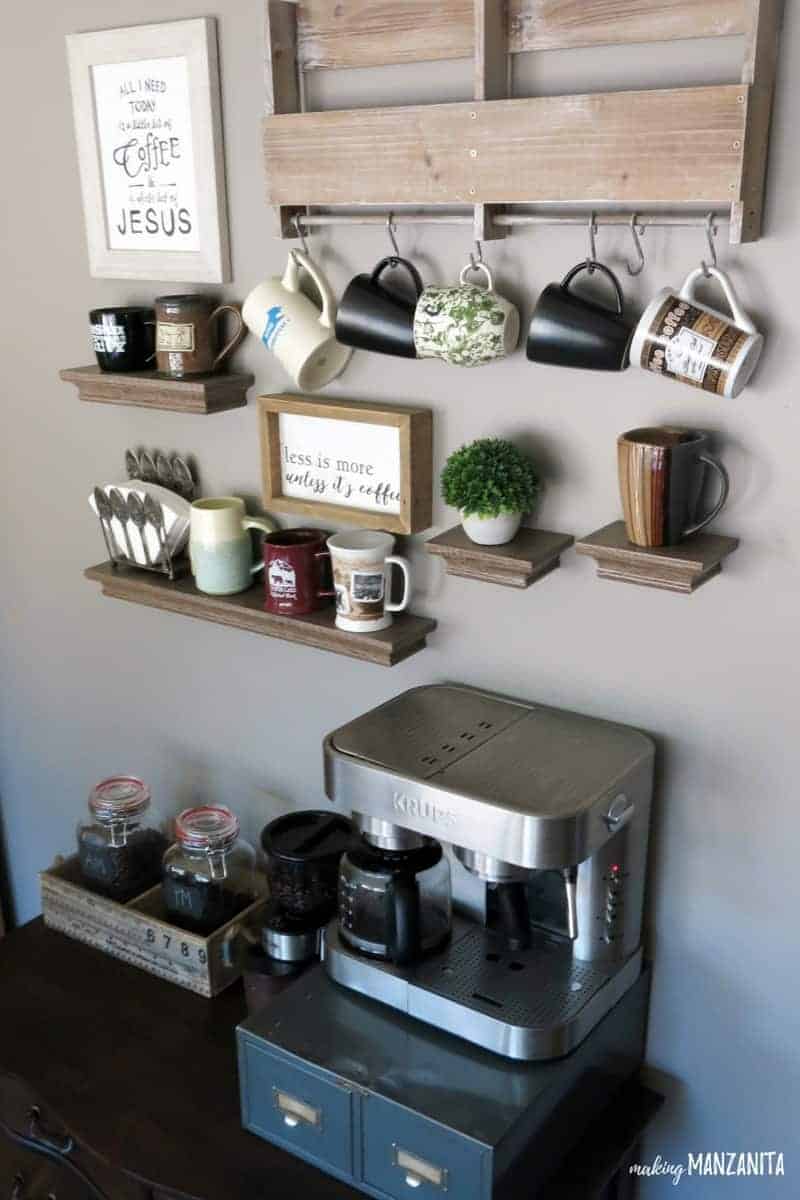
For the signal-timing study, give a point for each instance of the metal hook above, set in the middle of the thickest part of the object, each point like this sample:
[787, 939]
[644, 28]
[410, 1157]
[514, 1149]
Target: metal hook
[592, 259]
[635, 234]
[390, 229]
[711, 233]
[300, 234]
[475, 264]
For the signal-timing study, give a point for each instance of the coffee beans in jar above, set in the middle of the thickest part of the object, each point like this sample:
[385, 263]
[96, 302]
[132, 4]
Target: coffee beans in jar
[208, 875]
[120, 842]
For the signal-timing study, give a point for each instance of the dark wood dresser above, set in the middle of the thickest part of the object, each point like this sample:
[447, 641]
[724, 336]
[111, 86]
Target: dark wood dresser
[117, 1086]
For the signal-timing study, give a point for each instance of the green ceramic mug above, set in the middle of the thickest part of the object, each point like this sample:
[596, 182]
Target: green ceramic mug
[465, 325]
[220, 550]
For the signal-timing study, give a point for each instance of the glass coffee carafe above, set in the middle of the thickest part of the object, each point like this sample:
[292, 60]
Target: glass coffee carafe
[120, 840]
[209, 873]
[395, 904]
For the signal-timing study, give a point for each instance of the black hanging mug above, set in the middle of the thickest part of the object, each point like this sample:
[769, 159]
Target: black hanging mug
[371, 318]
[568, 330]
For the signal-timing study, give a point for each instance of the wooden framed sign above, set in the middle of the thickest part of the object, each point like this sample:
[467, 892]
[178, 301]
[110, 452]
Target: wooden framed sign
[361, 464]
[149, 139]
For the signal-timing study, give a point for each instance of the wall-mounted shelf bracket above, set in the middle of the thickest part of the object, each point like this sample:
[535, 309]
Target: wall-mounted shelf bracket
[681, 568]
[531, 555]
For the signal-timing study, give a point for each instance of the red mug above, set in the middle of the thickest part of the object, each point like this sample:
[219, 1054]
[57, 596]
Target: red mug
[295, 572]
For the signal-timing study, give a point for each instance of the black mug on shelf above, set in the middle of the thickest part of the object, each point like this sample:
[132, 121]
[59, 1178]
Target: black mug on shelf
[370, 317]
[568, 330]
[123, 337]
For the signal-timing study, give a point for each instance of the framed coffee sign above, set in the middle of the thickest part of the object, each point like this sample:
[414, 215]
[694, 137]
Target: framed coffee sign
[149, 140]
[361, 464]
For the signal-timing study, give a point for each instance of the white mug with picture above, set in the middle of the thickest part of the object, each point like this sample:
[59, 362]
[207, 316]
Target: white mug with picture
[362, 564]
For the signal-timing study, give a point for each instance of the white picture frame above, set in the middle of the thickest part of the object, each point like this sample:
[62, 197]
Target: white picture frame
[148, 126]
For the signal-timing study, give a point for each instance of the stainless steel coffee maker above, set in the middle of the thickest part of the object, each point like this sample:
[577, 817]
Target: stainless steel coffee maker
[549, 810]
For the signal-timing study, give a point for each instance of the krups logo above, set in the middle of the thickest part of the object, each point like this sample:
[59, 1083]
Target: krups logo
[424, 810]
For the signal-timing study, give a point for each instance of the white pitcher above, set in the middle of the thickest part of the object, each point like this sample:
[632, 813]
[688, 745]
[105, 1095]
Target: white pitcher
[300, 335]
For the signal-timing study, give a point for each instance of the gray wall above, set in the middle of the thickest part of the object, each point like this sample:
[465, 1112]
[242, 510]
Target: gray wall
[91, 687]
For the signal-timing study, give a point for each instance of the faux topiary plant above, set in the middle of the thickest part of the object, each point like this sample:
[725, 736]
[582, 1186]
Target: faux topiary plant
[488, 478]
[491, 482]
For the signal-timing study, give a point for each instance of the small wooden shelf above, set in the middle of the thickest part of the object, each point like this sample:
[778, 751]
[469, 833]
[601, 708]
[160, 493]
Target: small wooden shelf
[148, 389]
[681, 568]
[405, 637]
[519, 563]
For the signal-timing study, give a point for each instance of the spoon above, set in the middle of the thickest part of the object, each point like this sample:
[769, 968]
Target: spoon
[119, 508]
[104, 513]
[166, 476]
[147, 468]
[132, 465]
[184, 483]
[137, 515]
[154, 514]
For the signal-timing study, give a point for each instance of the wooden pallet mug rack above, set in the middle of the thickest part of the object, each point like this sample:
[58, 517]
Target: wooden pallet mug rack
[676, 147]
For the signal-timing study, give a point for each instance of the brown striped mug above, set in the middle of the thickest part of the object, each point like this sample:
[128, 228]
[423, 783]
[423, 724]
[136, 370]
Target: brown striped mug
[661, 475]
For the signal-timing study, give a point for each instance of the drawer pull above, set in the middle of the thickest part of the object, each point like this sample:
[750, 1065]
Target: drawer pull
[418, 1170]
[42, 1138]
[296, 1112]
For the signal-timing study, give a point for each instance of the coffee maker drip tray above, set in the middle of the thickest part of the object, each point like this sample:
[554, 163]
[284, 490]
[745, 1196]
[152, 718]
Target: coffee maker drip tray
[537, 1003]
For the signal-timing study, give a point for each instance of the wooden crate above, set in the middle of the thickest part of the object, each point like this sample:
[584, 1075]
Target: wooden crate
[675, 147]
[139, 933]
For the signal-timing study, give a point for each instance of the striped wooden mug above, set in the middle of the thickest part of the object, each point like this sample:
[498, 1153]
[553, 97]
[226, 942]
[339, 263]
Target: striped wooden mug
[661, 476]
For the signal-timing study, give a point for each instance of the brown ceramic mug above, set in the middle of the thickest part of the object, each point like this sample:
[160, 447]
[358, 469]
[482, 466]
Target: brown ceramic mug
[186, 335]
[661, 475]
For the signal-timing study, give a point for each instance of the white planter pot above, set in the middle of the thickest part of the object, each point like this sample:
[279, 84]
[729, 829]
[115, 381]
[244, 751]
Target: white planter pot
[491, 531]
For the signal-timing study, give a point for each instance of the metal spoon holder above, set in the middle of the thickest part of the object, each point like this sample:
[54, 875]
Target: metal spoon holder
[165, 564]
[113, 507]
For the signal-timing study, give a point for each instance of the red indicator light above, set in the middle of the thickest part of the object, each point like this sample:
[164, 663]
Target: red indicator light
[615, 868]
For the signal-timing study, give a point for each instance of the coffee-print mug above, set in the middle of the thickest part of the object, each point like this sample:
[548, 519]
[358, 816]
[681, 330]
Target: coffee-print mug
[220, 550]
[186, 335]
[300, 335]
[362, 563]
[465, 325]
[682, 339]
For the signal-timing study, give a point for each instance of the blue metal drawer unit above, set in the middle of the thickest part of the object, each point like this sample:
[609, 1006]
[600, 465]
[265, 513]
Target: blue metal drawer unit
[404, 1112]
[404, 1154]
[305, 1111]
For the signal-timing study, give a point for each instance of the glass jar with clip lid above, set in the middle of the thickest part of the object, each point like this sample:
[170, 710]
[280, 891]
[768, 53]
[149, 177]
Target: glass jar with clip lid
[121, 840]
[209, 874]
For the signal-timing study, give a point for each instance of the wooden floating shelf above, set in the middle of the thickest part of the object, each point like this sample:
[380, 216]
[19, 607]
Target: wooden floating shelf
[148, 389]
[405, 637]
[681, 568]
[532, 554]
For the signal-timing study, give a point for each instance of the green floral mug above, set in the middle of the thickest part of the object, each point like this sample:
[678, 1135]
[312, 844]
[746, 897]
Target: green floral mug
[465, 325]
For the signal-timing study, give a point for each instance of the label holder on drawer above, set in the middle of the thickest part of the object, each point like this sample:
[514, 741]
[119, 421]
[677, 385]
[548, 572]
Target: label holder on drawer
[296, 1112]
[418, 1170]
